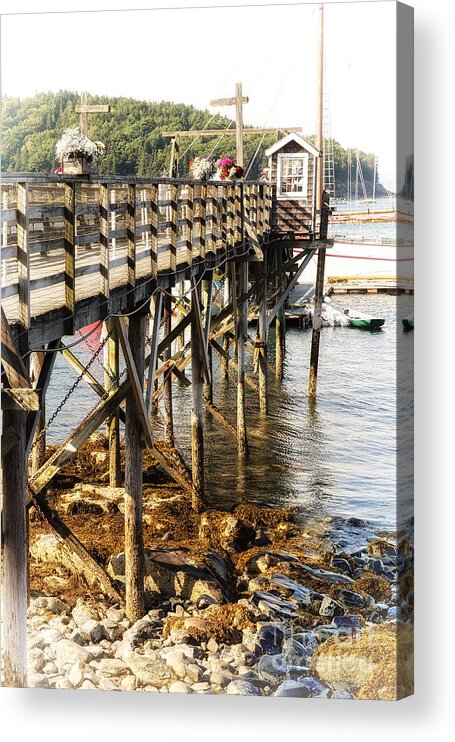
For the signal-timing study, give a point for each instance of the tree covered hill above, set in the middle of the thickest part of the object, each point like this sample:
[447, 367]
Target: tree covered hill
[132, 135]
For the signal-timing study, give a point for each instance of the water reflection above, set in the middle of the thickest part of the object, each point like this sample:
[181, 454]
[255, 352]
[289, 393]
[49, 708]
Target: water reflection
[337, 456]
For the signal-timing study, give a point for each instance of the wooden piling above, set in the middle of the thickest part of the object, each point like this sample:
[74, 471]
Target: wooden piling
[134, 543]
[226, 339]
[242, 334]
[15, 553]
[197, 390]
[112, 366]
[318, 297]
[280, 320]
[38, 452]
[261, 341]
[167, 392]
[207, 303]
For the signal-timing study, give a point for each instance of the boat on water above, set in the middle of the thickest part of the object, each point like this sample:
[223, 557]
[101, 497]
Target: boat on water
[364, 321]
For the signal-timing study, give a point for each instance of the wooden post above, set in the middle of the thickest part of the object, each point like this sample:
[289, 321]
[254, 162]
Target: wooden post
[197, 432]
[39, 447]
[168, 408]
[280, 321]
[134, 544]
[314, 357]
[207, 302]
[113, 422]
[261, 342]
[226, 339]
[318, 297]
[15, 553]
[242, 333]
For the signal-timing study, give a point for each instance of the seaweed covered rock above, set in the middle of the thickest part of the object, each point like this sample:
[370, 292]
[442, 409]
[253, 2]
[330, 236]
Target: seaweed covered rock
[178, 573]
[224, 623]
[377, 664]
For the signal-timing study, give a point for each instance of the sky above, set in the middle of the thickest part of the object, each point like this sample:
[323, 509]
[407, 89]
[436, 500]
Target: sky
[197, 54]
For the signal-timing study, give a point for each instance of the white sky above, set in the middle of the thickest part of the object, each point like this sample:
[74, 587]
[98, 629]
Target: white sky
[197, 54]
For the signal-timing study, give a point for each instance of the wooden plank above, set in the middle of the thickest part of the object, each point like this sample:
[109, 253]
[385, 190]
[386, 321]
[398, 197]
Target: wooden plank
[157, 303]
[104, 218]
[137, 384]
[90, 566]
[131, 242]
[23, 254]
[227, 132]
[70, 253]
[77, 438]
[12, 363]
[20, 399]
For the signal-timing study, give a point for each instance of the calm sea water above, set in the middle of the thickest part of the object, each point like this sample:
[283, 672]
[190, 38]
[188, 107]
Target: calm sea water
[338, 458]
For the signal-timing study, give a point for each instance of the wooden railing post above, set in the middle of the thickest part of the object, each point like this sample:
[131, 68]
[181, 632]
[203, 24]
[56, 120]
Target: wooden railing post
[23, 254]
[70, 254]
[318, 298]
[212, 221]
[104, 246]
[131, 243]
[154, 230]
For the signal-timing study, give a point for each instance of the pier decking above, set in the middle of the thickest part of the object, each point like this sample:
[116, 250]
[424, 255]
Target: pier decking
[84, 250]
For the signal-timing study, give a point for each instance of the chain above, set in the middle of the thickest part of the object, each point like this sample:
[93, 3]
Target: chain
[72, 389]
[100, 363]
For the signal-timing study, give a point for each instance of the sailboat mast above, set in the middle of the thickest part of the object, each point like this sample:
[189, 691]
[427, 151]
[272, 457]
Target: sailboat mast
[320, 108]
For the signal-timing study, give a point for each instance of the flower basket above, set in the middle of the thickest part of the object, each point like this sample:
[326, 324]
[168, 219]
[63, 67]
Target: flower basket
[77, 154]
[201, 168]
[77, 165]
[228, 170]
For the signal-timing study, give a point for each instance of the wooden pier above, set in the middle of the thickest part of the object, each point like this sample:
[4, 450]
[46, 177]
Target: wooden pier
[84, 250]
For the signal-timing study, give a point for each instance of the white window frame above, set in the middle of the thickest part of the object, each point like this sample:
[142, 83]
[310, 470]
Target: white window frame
[296, 195]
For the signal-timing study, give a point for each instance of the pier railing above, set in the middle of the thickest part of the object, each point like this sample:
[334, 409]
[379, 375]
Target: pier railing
[70, 242]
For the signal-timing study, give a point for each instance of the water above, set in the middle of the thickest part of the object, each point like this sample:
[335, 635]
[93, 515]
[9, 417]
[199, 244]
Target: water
[338, 458]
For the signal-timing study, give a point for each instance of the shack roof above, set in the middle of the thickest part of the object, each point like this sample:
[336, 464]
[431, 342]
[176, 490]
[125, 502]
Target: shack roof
[292, 137]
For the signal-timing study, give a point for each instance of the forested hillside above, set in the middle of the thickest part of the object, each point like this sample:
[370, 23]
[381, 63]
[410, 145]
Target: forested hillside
[132, 135]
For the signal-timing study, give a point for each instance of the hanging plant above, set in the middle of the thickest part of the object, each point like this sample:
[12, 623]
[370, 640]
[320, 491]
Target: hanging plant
[228, 170]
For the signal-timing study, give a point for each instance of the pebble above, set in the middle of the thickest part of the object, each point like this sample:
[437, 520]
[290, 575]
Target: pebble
[242, 688]
[179, 687]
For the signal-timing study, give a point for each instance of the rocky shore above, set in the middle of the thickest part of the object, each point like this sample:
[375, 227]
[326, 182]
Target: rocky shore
[256, 601]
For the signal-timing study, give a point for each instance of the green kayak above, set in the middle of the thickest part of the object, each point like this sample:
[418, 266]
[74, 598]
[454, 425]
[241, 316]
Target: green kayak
[364, 321]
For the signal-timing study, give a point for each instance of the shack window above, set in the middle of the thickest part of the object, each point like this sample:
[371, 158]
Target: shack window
[292, 175]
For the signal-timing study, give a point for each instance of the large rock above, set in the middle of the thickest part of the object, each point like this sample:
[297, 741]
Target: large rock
[49, 549]
[304, 688]
[68, 653]
[375, 665]
[272, 668]
[177, 573]
[150, 670]
[242, 688]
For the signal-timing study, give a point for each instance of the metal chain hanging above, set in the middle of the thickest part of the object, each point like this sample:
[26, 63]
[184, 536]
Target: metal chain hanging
[72, 389]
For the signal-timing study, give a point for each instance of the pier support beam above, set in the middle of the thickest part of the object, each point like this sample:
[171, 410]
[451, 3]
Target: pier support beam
[318, 297]
[261, 341]
[167, 395]
[207, 302]
[226, 339]
[112, 366]
[280, 321]
[39, 441]
[197, 390]
[15, 553]
[242, 334]
[134, 543]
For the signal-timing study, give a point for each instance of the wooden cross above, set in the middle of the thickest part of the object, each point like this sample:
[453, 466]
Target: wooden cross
[84, 109]
[238, 102]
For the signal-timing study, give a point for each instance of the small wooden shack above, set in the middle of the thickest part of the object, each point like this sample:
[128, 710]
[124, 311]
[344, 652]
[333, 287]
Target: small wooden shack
[292, 167]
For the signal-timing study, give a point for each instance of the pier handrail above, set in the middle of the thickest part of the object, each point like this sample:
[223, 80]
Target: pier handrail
[100, 243]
